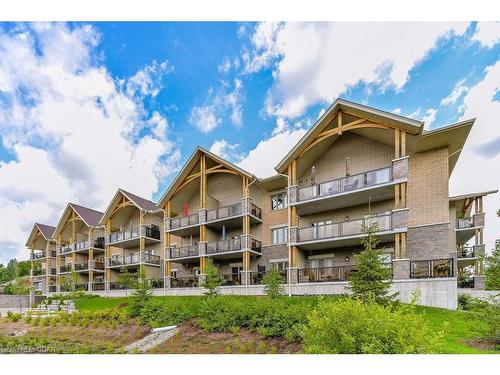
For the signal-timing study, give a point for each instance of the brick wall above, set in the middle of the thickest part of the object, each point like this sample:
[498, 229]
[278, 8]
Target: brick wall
[428, 242]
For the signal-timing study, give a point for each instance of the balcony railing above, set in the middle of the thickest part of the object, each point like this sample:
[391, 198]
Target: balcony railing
[81, 266]
[184, 251]
[98, 286]
[150, 231]
[325, 274]
[66, 249]
[52, 288]
[97, 264]
[345, 228]
[180, 222]
[255, 211]
[466, 282]
[224, 246]
[43, 254]
[82, 286]
[476, 220]
[65, 268]
[124, 260]
[184, 282]
[231, 279]
[422, 269]
[224, 212]
[466, 252]
[345, 184]
[257, 278]
[155, 283]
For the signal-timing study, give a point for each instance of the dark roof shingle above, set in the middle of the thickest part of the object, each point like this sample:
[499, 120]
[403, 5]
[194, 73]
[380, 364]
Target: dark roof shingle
[46, 230]
[90, 216]
[144, 204]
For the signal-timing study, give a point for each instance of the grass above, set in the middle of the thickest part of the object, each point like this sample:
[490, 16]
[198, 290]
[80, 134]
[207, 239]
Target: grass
[457, 325]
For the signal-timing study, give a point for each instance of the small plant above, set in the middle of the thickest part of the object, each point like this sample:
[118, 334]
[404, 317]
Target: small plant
[235, 330]
[36, 321]
[28, 319]
[13, 317]
[213, 280]
[273, 283]
[45, 322]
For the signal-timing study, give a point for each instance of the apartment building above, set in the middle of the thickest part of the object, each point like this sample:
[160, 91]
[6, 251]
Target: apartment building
[133, 239]
[43, 258]
[80, 249]
[356, 167]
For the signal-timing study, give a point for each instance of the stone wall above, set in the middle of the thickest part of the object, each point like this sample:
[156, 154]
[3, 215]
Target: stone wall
[428, 242]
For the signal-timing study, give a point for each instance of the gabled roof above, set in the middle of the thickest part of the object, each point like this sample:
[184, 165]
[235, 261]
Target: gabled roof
[139, 202]
[47, 231]
[190, 164]
[410, 125]
[90, 217]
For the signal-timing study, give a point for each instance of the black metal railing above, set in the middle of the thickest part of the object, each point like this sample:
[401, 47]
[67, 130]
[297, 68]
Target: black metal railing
[180, 222]
[65, 268]
[344, 184]
[66, 249]
[256, 278]
[81, 266]
[422, 269]
[256, 245]
[466, 252]
[184, 282]
[123, 260]
[325, 274]
[223, 246]
[98, 286]
[155, 283]
[113, 285]
[43, 254]
[224, 212]
[152, 231]
[255, 211]
[345, 228]
[231, 279]
[466, 282]
[82, 286]
[184, 251]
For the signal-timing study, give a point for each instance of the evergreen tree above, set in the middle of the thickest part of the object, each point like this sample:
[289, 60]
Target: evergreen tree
[492, 271]
[273, 283]
[372, 280]
[141, 294]
[212, 279]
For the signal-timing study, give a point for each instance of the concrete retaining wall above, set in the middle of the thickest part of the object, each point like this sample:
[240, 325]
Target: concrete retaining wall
[482, 294]
[13, 301]
[439, 292]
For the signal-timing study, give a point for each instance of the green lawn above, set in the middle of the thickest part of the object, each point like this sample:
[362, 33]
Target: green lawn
[456, 325]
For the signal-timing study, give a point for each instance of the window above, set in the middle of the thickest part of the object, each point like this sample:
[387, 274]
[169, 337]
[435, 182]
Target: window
[279, 235]
[281, 266]
[279, 201]
[386, 259]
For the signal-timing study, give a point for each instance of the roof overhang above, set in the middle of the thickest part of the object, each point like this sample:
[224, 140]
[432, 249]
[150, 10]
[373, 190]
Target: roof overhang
[411, 126]
[116, 199]
[452, 136]
[472, 195]
[188, 167]
[34, 231]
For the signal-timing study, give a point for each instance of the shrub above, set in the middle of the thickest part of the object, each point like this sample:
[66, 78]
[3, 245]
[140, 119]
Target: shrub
[213, 280]
[13, 317]
[467, 302]
[350, 326]
[141, 294]
[168, 311]
[489, 316]
[273, 283]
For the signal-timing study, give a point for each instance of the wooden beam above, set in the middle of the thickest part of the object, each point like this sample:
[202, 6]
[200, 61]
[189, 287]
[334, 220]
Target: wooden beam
[397, 150]
[339, 122]
[223, 171]
[203, 181]
[403, 143]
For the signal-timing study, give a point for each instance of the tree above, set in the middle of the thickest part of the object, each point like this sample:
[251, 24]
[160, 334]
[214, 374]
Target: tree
[20, 287]
[372, 279]
[126, 279]
[273, 283]
[69, 281]
[141, 294]
[492, 268]
[212, 279]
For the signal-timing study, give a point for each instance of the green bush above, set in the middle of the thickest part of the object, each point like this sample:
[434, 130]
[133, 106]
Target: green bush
[170, 311]
[13, 317]
[467, 302]
[488, 313]
[273, 283]
[350, 326]
[268, 317]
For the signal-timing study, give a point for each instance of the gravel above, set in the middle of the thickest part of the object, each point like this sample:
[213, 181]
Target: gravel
[150, 341]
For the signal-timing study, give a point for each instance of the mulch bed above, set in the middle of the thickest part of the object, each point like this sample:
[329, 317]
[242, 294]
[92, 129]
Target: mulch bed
[191, 339]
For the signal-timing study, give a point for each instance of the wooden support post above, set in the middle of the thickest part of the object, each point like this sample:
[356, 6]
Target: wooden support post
[339, 122]
[403, 143]
[397, 196]
[404, 255]
[397, 245]
[107, 254]
[403, 195]
[397, 147]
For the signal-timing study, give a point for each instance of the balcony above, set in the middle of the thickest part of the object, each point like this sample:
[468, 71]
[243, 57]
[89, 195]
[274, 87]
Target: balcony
[435, 268]
[375, 185]
[96, 265]
[348, 233]
[184, 282]
[467, 226]
[43, 254]
[133, 260]
[65, 268]
[227, 248]
[325, 274]
[98, 286]
[66, 249]
[228, 216]
[129, 238]
[189, 251]
[84, 266]
[82, 246]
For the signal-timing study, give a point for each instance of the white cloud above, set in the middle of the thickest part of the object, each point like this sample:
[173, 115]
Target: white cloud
[204, 118]
[207, 117]
[487, 33]
[397, 111]
[225, 66]
[478, 166]
[429, 117]
[456, 93]
[72, 129]
[226, 150]
[316, 62]
[269, 152]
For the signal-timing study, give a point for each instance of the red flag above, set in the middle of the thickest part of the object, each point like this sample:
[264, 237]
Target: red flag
[185, 209]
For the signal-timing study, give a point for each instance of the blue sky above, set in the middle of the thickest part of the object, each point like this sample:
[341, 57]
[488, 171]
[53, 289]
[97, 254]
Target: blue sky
[86, 108]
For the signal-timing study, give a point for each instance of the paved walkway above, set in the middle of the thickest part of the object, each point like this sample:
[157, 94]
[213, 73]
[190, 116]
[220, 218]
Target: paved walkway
[150, 341]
